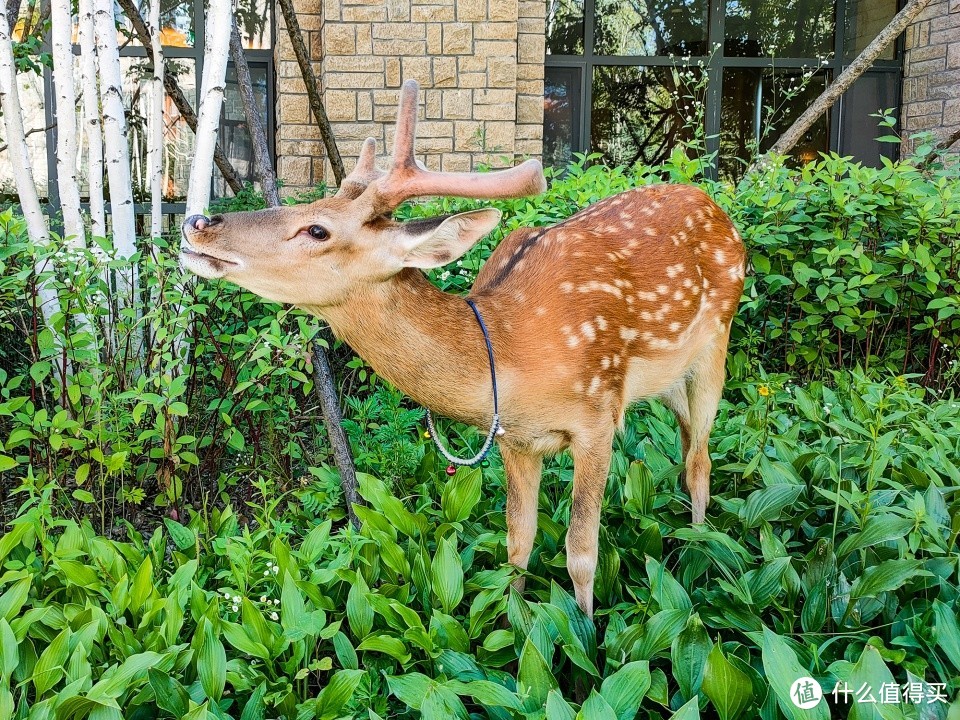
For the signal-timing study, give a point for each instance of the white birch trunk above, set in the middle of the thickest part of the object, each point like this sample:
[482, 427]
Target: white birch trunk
[91, 118]
[116, 150]
[61, 18]
[20, 161]
[219, 20]
[155, 153]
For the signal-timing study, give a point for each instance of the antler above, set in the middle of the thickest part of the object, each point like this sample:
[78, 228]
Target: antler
[408, 179]
[363, 174]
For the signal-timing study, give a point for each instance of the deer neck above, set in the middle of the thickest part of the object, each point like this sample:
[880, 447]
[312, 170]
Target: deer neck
[424, 341]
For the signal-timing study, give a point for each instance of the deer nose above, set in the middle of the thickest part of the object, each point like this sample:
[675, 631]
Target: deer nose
[202, 222]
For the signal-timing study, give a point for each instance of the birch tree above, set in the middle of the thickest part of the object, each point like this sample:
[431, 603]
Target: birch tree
[91, 117]
[20, 160]
[219, 19]
[61, 29]
[116, 151]
[155, 152]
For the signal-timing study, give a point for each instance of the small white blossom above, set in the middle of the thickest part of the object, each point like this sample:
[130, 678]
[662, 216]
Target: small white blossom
[263, 598]
[274, 616]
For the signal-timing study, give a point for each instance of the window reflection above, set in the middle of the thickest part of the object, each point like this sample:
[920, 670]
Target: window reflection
[779, 28]
[565, 27]
[561, 115]
[254, 23]
[865, 19]
[641, 114]
[650, 27]
[178, 139]
[758, 106]
[234, 135]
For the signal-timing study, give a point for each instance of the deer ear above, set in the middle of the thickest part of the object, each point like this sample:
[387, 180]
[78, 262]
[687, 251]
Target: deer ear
[434, 243]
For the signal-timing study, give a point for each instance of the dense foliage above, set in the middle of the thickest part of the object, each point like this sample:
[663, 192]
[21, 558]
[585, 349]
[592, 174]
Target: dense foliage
[830, 548]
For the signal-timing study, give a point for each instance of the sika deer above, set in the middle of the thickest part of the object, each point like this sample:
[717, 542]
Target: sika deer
[631, 298]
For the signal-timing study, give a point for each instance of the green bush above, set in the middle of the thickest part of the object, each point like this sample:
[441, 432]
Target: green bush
[831, 553]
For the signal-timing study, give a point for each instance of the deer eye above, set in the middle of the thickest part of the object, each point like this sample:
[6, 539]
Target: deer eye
[318, 233]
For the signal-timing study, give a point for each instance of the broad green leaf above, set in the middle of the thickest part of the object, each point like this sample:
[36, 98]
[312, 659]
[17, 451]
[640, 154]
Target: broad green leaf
[767, 503]
[388, 645]
[337, 693]
[255, 708]
[14, 598]
[866, 681]
[446, 572]
[729, 689]
[947, 631]
[689, 653]
[690, 711]
[9, 654]
[49, 668]
[171, 695]
[596, 708]
[782, 669]
[359, 609]
[558, 708]
[668, 593]
[624, 689]
[410, 688]
[461, 494]
[485, 693]
[534, 678]
[659, 632]
[212, 664]
[181, 535]
[888, 575]
[878, 529]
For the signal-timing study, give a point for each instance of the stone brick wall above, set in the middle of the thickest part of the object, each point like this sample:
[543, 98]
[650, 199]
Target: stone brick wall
[931, 72]
[479, 64]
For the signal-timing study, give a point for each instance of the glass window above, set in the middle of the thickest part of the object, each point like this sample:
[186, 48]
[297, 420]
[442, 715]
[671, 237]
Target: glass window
[761, 103]
[654, 27]
[254, 23]
[176, 21]
[565, 27]
[865, 19]
[871, 92]
[561, 115]
[234, 135]
[779, 28]
[642, 113]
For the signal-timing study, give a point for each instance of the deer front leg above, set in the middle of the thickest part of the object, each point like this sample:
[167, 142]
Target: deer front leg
[591, 464]
[523, 491]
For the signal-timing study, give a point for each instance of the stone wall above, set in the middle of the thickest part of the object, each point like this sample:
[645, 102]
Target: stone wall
[479, 64]
[931, 72]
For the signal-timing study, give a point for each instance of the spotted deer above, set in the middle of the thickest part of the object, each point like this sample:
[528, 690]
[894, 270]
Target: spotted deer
[630, 298]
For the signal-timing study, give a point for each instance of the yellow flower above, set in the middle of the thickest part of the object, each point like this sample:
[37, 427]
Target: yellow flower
[763, 390]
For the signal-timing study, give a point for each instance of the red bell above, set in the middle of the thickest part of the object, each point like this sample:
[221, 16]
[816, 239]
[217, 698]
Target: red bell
[451, 469]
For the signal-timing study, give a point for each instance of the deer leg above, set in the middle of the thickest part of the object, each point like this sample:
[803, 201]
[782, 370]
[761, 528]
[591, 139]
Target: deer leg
[704, 389]
[523, 489]
[591, 464]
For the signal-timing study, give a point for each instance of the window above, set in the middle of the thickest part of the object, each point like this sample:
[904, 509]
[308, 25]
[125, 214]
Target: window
[183, 35]
[630, 78]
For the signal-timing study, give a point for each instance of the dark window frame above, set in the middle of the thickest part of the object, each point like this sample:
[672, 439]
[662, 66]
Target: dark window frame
[255, 57]
[714, 65]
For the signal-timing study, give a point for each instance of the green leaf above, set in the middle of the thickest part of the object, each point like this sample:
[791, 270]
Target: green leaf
[689, 655]
[534, 679]
[486, 693]
[866, 679]
[668, 593]
[255, 708]
[49, 668]
[170, 694]
[947, 631]
[446, 573]
[181, 535]
[388, 645]
[337, 693]
[558, 708]
[659, 633]
[9, 655]
[624, 689]
[596, 708]
[461, 494]
[767, 503]
[729, 689]
[212, 664]
[888, 575]
[411, 688]
[878, 529]
[782, 669]
[359, 609]
[690, 711]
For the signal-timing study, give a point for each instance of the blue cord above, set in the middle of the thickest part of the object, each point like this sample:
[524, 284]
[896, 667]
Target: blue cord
[486, 339]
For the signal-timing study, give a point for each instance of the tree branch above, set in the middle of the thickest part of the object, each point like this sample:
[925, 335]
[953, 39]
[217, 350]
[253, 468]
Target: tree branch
[172, 88]
[28, 133]
[313, 93]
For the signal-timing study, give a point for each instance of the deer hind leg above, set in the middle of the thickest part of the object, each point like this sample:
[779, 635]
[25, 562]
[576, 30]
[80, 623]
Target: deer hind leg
[523, 490]
[676, 399]
[591, 464]
[704, 388]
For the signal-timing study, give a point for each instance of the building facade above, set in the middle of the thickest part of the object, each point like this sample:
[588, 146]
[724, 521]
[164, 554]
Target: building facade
[504, 79]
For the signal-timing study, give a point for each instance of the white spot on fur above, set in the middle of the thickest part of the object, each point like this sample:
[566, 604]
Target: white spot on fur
[601, 322]
[720, 256]
[588, 332]
[674, 270]
[628, 334]
[605, 362]
[594, 385]
[566, 287]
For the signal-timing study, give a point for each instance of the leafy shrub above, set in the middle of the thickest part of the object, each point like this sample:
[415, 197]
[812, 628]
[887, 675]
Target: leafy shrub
[831, 552]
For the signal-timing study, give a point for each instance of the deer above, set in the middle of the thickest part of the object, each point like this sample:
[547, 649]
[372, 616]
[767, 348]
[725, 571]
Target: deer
[631, 298]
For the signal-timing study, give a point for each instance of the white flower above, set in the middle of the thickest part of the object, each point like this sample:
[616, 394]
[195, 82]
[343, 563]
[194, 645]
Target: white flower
[274, 616]
[236, 608]
[266, 573]
[276, 602]
[263, 598]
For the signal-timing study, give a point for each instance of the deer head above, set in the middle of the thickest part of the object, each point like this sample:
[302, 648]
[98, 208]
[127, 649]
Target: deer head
[317, 254]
